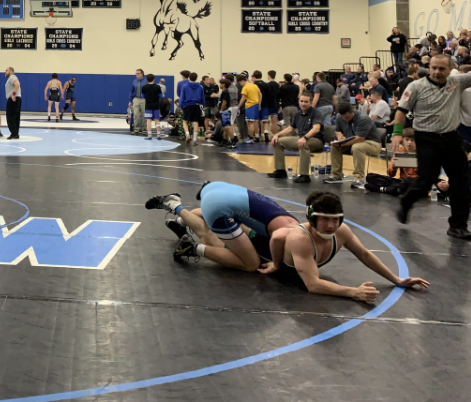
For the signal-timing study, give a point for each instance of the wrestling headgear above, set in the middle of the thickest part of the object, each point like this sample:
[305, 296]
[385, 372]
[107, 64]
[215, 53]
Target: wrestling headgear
[323, 204]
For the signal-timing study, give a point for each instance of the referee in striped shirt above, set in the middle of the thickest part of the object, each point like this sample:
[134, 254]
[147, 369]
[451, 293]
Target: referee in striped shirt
[435, 101]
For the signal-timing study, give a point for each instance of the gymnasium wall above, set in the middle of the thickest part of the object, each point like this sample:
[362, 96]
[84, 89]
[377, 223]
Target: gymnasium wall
[109, 49]
[429, 15]
[382, 20]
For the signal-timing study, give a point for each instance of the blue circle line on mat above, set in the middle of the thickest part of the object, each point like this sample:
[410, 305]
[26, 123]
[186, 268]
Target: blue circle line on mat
[24, 217]
[387, 303]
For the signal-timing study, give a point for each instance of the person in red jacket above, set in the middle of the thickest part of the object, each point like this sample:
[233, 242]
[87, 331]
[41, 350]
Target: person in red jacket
[389, 184]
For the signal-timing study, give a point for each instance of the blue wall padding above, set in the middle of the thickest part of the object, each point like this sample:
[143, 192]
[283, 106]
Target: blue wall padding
[93, 92]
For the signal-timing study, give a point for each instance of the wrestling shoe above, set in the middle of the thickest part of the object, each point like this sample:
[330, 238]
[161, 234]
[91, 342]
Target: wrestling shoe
[175, 227]
[167, 202]
[267, 137]
[459, 233]
[75, 119]
[61, 116]
[188, 140]
[186, 248]
[57, 119]
[198, 196]
[48, 118]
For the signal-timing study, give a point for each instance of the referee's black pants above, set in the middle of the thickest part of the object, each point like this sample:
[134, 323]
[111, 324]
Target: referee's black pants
[13, 112]
[433, 152]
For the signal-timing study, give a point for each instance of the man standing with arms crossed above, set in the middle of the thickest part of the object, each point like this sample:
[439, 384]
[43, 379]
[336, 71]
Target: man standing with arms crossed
[137, 101]
[436, 104]
[13, 109]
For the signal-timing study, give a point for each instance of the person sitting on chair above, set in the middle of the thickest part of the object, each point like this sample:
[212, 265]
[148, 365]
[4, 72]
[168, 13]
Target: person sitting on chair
[310, 124]
[388, 184]
[379, 110]
[363, 139]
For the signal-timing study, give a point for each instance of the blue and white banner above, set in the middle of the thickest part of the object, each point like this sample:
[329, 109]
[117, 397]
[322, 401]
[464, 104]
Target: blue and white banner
[64, 38]
[308, 21]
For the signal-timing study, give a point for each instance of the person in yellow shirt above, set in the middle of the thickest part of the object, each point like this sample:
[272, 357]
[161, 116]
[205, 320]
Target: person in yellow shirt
[252, 97]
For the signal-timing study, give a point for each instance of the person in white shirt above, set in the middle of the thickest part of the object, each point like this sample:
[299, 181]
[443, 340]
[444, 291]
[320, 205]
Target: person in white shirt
[362, 104]
[465, 116]
[379, 110]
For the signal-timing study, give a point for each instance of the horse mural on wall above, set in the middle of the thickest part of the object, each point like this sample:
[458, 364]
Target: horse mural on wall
[173, 17]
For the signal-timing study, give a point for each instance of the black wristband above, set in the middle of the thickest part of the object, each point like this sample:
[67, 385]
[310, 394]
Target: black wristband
[305, 137]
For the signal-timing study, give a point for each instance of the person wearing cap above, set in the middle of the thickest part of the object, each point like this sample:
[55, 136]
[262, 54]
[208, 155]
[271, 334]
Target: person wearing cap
[69, 87]
[362, 104]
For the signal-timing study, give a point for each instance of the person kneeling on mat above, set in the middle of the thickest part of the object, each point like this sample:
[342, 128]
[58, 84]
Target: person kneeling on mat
[388, 184]
[227, 215]
[313, 244]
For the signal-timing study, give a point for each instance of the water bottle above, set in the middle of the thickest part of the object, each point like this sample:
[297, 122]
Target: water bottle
[433, 194]
[290, 172]
[316, 171]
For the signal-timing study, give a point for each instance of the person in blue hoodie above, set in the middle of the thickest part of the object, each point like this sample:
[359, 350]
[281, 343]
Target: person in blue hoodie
[192, 103]
[185, 75]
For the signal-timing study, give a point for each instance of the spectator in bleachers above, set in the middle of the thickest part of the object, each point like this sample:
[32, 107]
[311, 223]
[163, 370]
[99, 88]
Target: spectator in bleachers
[347, 76]
[414, 63]
[364, 140]
[450, 36]
[360, 77]
[411, 76]
[383, 83]
[425, 61]
[388, 184]
[362, 104]
[469, 39]
[463, 39]
[379, 109]
[414, 53]
[324, 97]
[463, 56]
[422, 73]
[309, 123]
[465, 127]
[342, 92]
[425, 42]
[442, 43]
[374, 84]
[454, 47]
[289, 99]
[377, 67]
[398, 44]
[434, 52]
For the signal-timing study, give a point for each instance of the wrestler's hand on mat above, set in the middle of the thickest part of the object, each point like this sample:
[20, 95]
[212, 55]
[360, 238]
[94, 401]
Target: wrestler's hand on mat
[410, 282]
[366, 292]
[268, 268]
